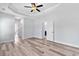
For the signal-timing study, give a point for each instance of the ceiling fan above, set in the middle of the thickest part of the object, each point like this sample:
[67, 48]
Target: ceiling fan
[34, 7]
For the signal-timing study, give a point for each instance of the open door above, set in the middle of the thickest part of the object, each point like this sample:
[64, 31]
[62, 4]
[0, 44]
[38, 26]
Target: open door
[48, 26]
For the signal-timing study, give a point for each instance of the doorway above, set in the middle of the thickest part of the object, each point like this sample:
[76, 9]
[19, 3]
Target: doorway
[49, 27]
[19, 29]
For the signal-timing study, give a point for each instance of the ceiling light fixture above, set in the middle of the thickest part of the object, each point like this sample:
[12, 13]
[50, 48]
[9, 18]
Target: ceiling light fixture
[34, 7]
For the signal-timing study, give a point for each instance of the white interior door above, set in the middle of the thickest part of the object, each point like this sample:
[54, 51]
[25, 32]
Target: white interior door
[50, 30]
[49, 27]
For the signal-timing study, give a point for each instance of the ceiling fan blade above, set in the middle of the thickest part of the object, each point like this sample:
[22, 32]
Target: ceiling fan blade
[31, 10]
[28, 6]
[38, 10]
[40, 6]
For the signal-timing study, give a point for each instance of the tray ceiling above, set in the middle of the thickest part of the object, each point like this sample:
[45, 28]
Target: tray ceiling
[19, 9]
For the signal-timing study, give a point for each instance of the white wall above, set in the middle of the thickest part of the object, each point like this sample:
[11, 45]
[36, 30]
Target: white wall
[6, 28]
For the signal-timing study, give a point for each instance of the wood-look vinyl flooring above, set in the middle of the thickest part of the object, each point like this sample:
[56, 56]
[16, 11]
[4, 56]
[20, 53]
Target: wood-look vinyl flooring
[37, 47]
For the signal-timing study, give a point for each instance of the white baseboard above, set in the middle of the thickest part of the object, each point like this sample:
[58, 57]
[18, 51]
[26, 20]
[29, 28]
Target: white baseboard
[72, 45]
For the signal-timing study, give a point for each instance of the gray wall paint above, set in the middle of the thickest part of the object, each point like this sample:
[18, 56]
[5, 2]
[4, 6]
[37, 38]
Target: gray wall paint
[67, 24]
[6, 28]
[28, 28]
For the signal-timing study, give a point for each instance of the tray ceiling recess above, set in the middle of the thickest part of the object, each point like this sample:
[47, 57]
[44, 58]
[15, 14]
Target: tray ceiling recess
[18, 8]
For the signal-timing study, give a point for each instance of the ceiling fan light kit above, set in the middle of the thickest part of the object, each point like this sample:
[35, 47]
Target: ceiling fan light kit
[34, 7]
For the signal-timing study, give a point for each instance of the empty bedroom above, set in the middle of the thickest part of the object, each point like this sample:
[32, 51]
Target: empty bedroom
[39, 29]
